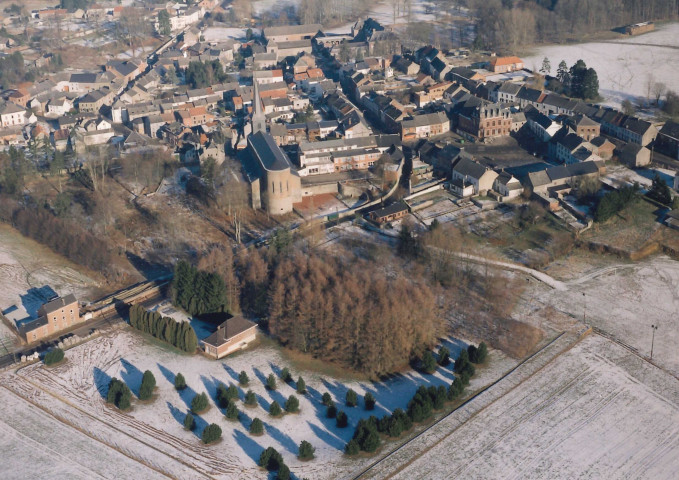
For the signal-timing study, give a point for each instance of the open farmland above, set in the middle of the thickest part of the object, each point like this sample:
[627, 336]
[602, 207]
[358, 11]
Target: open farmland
[620, 63]
[596, 411]
[153, 434]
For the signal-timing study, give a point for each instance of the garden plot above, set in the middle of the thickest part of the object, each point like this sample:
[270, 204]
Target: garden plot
[153, 434]
[596, 411]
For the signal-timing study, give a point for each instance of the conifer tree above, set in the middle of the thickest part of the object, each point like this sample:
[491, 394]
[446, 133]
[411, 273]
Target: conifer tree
[256, 427]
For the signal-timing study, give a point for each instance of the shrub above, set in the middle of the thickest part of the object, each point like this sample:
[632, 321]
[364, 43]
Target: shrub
[250, 398]
[275, 409]
[306, 451]
[342, 419]
[464, 367]
[369, 401]
[55, 355]
[211, 433]
[119, 394]
[352, 447]
[199, 403]
[301, 386]
[478, 355]
[232, 392]
[285, 375]
[331, 412]
[179, 382]
[444, 356]
[326, 399]
[222, 396]
[256, 427]
[189, 422]
[232, 411]
[352, 398]
[292, 404]
[243, 378]
[148, 383]
[428, 362]
[271, 382]
[456, 388]
[270, 459]
[283, 472]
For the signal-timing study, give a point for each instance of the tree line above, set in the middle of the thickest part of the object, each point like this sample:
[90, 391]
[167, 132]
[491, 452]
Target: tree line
[198, 291]
[178, 334]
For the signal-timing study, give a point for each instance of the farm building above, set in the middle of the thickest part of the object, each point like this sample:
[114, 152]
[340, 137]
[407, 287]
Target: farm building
[233, 335]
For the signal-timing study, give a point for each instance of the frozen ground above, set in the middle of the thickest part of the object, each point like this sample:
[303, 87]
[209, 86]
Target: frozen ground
[30, 273]
[596, 411]
[622, 64]
[153, 434]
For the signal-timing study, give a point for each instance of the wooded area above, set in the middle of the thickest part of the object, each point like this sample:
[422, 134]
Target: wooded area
[178, 334]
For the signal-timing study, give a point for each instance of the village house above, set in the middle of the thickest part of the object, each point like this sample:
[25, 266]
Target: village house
[634, 155]
[53, 317]
[667, 141]
[483, 120]
[234, 334]
[470, 173]
[505, 64]
[93, 101]
[423, 126]
[507, 186]
[12, 114]
[584, 126]
[291, 33]
[550, 182]
[390, 213]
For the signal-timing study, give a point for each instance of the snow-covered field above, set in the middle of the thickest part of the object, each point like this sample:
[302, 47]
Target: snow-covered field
[597, 411]
[623, 65]
[30, 273]
[153, 434]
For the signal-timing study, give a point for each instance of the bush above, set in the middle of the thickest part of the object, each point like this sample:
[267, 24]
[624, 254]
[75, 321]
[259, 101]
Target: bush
[444, 356]
[285, 375]
[275, 409]
[331, 412]
[189, 422]
[301, 386]
[326, 399]
[211, 433]
[292, 404]
[342, 419]
[428, 362]
[352, 448]
[250, 399]
[179, 382]
[148, 383]
[55, 355]
[243, 378]
[232, 411]
[283, 472]
[270, 459]
[352, 398]
[199, 403]
[456, 388]
[232, 392]
[222, 396]
[256, 427]
[271, 382]
[369, 401]
[119, 394]
[478, 355]
[306, 450]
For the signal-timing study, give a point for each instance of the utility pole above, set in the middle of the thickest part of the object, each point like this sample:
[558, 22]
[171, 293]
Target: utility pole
[653, 328]
[584, 308]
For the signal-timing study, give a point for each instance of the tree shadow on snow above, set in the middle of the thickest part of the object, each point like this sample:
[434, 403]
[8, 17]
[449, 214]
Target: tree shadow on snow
[327, 436]
[251, 448]
[167, 373]
[232, 373]
[131, 375]
[282, 438]
[101, 381]
[180, 416]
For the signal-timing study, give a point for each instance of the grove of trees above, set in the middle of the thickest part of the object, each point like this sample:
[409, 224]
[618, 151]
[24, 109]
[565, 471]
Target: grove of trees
[614, 201]
[197, 291]
[203, 74]
[178, 334]
[119, 394]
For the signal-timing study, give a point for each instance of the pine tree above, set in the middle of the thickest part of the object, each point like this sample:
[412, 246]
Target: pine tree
[306, 451]
[352, 447]
[148, 383]
[326, 399]
[243, 378]
[275, 409]
[232, 392]
[659, 191]
[211, 433]
[482, 353]
[292, 404]
[179, 382]
[271, 382]
[369, 401]
[428, 362]
[590, 84]
[189, 422]
[232, 411]
[331, 412]
[301, 386]
[283, 472]
[352, 398]
[271, 459]
[199, 403]
[222, 396]
[285, 375]
[342, 419]
[256, 427]
[54, 356]
[444, 356]
[250, 398]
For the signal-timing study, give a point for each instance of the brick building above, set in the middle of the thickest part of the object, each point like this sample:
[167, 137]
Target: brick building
[234, 334]
[55, 316]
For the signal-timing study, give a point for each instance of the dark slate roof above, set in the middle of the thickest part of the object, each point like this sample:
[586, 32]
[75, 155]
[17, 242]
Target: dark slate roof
[391, 209]
[571, 141]
[637, 126]
[229, 329]
[670, 129]
[83, 77]
[529, 94]
[270, 155]
[385, 141]
[469, 168]
[57, 303]
[559, 101]
[509, 88]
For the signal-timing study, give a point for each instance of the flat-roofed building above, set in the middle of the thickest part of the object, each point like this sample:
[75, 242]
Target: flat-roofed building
[233, 335]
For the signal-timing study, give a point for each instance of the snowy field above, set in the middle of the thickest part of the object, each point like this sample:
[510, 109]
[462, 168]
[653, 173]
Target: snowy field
[31, 273]
[597, 411]
[623, 65]
[153, 434]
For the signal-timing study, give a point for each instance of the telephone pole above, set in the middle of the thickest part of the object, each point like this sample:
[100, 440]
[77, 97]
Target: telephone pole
[653, 328]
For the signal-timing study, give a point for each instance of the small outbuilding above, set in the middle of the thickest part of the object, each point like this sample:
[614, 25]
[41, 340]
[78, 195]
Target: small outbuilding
[233, 335]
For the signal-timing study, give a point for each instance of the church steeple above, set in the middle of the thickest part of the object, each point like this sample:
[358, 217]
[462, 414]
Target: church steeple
[258, 118]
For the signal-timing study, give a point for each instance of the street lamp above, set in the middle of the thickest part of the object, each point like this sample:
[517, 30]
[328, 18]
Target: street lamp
[653, 328]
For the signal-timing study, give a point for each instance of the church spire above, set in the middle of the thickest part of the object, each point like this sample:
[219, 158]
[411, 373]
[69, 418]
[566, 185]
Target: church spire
[258, 119]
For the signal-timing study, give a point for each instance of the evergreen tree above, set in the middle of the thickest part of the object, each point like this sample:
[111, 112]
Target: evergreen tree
[275, 409]
[546, 68]
[590, 84]
[482, 353]
[301, 386]
[444, 356]
[342, 419]
[256, 427]
[54, 356]
[283, 472]
[250, 399]
[562, 73]
[148, 383]
[326, 399]
[428, 362]
[211, 433]
[352, 398]
[285, 375]
[659, 191]
[271, 459]
[243, 378]
[189, 422]
[232, 392]
[455, 390]
[199, 403]
[179, 382]
[232, 411]
[352, 447]
[164, 27]
[331, 412]
[271, 382]
[222, 396]
[292, 404]
[119, 394]
[306, 451]
[369, 401]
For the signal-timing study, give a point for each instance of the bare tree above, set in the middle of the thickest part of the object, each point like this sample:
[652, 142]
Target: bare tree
[659, 89]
